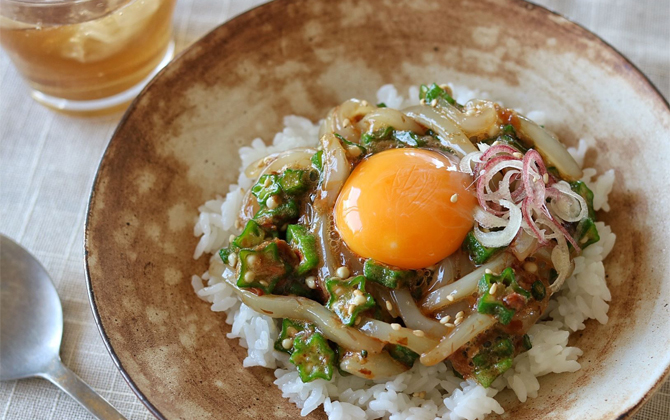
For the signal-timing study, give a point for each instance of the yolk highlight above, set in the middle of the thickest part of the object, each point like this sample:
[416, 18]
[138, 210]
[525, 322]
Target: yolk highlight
[409, 208]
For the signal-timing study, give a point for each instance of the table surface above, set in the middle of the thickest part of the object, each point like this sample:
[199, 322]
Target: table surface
[48, 162]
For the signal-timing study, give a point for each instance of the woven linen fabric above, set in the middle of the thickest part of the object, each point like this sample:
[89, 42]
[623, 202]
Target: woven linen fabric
[48, 162]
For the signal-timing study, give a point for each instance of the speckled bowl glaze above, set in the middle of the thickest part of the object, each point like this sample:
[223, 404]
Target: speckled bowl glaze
[176, 148]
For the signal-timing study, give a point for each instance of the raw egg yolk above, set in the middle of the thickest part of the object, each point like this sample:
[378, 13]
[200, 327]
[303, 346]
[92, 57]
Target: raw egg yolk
[408, 208]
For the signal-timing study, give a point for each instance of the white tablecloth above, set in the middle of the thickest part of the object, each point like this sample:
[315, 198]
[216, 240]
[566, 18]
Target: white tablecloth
[48, 162]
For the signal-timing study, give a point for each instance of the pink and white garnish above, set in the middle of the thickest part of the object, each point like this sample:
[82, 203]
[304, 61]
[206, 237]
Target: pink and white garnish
[518, 194]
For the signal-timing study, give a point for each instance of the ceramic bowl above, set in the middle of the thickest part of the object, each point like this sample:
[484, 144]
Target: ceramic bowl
[177, 146]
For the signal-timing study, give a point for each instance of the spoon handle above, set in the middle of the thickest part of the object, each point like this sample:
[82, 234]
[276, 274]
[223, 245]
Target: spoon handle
[66, 380]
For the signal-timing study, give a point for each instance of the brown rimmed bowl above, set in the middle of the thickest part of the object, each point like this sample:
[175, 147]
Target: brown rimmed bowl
[176, 148]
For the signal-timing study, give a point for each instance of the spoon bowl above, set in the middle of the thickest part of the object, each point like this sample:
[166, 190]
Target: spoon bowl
[29, 342]
[31, 329]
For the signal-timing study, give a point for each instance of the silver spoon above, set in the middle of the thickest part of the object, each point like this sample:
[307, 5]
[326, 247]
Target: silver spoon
[31, 328]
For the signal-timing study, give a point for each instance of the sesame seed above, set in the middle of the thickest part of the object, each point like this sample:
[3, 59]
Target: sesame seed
[358, 320]
[346, 122]
[249, 276]
[433, 102]
[418, 333]
[358, 292]
[287, 343]
[584, 240]
[517, 155]
[232, 258]
[311, 282]
[231, 238]
[444, 320]
[461, 314]
[530, 266]
[493, 289]
[421, 394]
[458, 321]
[365, 103]
[252, 259]
[272, 202]
[342, 272]
[264, 283]
[488, 271]
[389, 305]
[450, 298]
[454, 198]
[395, 326]
[359, 300]
[422, 102]
[267, 182]
[449, 325]
[338, 291]
[291, 331]
[351, 309]
[545, 178]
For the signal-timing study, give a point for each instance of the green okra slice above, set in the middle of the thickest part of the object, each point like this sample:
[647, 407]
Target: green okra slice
[486, 376]
[313, 357]
[402, 354]
[348, 298]
[582, 189]
[296, 181]
[387, 276]
[586, 233]
[285, 212]
[492, 304]
[262, 268]
[300, 238]
[266, 186]
[290, 330]
[538, 291]
[491, 362]
[251, 236]
[428, 93]
[479, 253]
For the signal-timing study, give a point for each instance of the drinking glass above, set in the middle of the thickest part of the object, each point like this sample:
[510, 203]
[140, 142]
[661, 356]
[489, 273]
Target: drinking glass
[84, 56]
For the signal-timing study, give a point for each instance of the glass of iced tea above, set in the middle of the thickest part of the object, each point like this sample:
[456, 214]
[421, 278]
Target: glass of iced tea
[85, 56]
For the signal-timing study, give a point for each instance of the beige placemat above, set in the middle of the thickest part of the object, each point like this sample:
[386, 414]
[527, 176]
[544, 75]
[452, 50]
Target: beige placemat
[48, 162]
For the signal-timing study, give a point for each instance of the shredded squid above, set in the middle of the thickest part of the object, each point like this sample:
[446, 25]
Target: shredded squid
[295, 307]
[449, 133]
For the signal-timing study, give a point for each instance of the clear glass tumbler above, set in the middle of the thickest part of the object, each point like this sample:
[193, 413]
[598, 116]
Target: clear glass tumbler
[84, 56]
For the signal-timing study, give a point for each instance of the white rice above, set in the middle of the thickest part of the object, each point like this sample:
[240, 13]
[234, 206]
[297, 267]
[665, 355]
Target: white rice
[422, 393]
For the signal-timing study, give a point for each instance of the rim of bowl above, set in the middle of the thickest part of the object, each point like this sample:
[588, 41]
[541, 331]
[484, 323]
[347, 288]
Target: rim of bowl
[626, 413]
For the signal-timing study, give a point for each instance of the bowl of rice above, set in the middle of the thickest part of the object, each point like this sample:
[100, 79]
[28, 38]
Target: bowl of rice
[175, 175]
